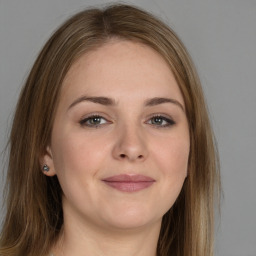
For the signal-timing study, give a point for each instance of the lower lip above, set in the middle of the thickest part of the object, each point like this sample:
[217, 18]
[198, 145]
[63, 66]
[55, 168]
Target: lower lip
[129, 186]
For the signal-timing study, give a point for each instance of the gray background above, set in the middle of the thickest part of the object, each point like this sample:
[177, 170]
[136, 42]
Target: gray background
[221, 37]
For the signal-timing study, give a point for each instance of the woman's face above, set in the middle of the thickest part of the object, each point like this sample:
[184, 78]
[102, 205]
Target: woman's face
[120, 139]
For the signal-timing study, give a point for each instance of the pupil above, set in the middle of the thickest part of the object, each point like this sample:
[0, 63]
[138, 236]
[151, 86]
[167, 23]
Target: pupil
[157, 120]
[95, 120]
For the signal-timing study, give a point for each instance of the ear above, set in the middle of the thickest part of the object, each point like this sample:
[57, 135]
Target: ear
[47, 159]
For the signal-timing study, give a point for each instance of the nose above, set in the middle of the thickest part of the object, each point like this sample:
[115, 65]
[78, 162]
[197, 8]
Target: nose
[130, 145]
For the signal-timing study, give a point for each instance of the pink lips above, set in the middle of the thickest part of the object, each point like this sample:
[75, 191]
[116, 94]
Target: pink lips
[129, 183]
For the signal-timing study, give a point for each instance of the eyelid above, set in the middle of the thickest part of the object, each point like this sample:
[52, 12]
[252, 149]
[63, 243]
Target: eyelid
[165, 117]
[85, 118]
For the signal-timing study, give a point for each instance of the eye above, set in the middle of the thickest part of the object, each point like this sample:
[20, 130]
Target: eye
[93, 121]
[161, 121]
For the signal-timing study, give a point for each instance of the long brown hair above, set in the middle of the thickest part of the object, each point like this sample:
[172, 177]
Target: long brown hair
[34, 209]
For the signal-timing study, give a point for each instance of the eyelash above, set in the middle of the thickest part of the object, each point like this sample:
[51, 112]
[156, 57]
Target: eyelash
[169, 121]
[83, 121]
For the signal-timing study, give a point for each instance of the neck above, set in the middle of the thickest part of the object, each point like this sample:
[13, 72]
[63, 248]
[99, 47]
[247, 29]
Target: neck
[84, 240]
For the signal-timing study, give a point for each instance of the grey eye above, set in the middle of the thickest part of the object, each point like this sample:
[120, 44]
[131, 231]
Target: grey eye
[92, 121]
[161, 121]
[157, 120]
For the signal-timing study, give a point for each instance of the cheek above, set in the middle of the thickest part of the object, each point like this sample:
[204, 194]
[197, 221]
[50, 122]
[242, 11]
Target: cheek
[171, 157]
[75, 152]
[76, 158]
[78, 161]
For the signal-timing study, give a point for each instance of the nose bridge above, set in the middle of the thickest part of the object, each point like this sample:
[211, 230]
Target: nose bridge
[130, 143]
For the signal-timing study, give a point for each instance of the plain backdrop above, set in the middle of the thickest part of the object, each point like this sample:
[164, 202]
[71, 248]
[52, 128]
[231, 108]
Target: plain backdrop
[221, 37]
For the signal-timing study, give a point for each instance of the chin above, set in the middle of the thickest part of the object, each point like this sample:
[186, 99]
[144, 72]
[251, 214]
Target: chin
[132, 218]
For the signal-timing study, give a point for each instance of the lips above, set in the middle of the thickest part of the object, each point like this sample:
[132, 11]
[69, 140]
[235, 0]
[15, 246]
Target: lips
[129, 183]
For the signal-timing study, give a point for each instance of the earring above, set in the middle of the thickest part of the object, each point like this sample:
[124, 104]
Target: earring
[46, 168]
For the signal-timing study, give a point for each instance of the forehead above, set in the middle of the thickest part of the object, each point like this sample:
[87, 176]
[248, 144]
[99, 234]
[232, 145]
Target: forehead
[121, 67]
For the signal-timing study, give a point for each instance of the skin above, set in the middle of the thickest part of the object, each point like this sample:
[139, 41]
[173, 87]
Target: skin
[126, 139]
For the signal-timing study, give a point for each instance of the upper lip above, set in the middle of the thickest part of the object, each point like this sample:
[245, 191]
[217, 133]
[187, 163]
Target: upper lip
[129, 178]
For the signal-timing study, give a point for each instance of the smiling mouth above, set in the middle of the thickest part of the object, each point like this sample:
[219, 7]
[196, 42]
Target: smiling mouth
[129, 183]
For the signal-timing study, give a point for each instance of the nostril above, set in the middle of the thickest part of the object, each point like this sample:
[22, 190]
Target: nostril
[123, 156]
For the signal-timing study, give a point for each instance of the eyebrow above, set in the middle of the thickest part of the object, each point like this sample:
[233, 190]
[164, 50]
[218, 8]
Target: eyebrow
[110, 102]
[159, 100]
[99, 100]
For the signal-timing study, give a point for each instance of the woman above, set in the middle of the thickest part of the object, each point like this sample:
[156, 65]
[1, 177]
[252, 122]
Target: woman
[111, 150]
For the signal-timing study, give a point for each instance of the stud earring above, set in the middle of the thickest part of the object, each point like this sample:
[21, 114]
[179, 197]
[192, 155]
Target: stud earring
[46, 168]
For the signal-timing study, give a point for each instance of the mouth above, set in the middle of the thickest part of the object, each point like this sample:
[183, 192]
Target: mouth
[129, 183]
